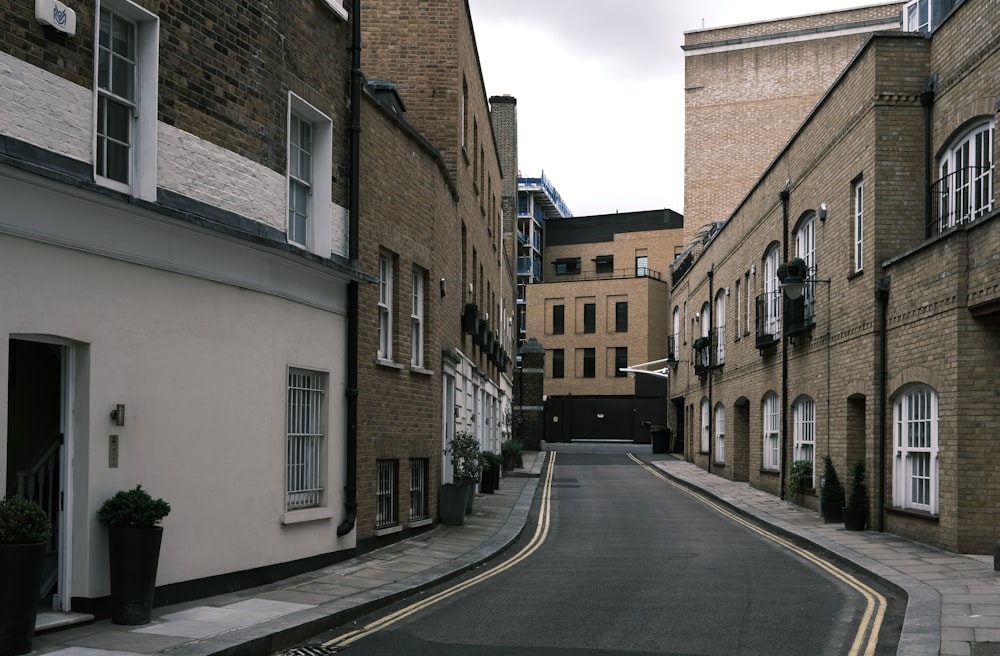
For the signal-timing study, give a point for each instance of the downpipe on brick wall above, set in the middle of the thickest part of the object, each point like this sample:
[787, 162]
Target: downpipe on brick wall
[784, 195]
[882, 286]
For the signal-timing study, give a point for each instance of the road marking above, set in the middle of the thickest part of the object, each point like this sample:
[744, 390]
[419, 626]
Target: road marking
[875, 603]
[541, 532]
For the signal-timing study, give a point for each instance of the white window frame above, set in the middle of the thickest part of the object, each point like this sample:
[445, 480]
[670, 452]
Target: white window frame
[417, 318]
[913, 21]
[739, 309]
[859, 226]
[967, 176]
[704, 426]
[770, 409]
[805, 248]
[772, 291]
[386, 266]
[804, 432]
[305, 439]
[720, 434]
[677, 333]
[720, 326]
[337, 7]
[748, 291]
[915, 461]
[317, 236]
[142, 106]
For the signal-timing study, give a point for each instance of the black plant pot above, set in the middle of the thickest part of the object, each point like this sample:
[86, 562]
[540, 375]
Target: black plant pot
[833, 512]
[21, 568]
[491, 476]
[453, 500]
[855, 518]
[134, 556]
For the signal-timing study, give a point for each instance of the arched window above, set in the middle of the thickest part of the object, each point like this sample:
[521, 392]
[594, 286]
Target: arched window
[675, 350]
[720, 433]
[704, 426]
[915, 461]
[965, 190]
[720, 326]
[804, 428]
[772, 423]
[772, 295]
[805, 248]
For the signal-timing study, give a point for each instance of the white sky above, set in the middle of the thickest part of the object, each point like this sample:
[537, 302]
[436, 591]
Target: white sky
[600, 88]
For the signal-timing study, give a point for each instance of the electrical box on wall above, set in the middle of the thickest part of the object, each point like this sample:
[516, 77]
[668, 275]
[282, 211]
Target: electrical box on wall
[56, 15]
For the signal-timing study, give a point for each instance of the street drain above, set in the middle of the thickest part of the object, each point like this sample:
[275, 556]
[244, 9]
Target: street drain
[311, 650]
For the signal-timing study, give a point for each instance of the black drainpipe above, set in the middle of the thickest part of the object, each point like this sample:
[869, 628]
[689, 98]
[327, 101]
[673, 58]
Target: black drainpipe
[927, 101]
[882, 296]
[711, 361]
[354, 203]
[785, 194]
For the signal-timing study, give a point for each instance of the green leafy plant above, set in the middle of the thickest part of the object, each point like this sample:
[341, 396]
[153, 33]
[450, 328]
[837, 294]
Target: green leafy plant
[701, 343]
[833, 491]
[489, 459]
[859, 491]
[511, 448]
[801, 472]
[135, 508]
[465, 460]
[23, 521]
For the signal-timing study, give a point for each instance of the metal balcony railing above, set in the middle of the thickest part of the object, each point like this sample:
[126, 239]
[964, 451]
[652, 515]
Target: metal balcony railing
[961, 197]
[768, 319]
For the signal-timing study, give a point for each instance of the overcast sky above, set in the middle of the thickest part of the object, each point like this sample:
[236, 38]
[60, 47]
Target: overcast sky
[600, 88]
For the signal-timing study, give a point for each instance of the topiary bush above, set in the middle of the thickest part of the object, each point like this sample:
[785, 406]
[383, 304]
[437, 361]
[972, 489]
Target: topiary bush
[23, 522]
[833, 490]
[135, 508]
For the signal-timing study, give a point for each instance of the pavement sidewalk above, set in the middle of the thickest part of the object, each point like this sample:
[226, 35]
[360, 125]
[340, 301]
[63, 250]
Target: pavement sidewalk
[953, 600]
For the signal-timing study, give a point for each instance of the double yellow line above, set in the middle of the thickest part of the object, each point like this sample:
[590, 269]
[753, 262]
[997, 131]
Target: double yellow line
[541, 532]
[866, 638]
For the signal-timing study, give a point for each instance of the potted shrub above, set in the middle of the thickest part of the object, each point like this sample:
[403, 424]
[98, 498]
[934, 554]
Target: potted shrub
[798, 478]
[701, 343]
[833, 493]
[456, 497]
[510, 450]
[134, 539]
[25, 528]
[491, 465]
[856, 510]
[794, 268]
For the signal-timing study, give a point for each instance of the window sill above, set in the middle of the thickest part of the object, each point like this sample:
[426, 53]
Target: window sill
[910, 512]
[769, 472]
[388, 364]
[421, 522]
[379, 532]
[337, 7]
[306, 515]
[855, 274]
[414, 369]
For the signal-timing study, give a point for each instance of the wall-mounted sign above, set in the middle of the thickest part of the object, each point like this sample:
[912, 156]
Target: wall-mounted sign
[56, 15]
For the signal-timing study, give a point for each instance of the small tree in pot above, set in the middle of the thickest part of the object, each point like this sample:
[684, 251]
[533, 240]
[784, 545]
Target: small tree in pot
[25, 528]
[134, 539]
[856, 510]
[833, 493]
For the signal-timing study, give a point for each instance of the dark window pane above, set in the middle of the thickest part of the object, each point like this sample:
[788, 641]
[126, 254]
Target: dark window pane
[621, 316]
[589, 318]
[588, 363]
[558, 319]
[621, 361]
[558, 363]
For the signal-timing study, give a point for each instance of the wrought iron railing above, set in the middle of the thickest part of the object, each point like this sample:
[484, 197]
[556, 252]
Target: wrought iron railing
[768, 319]
[960, 197]
[614, 274]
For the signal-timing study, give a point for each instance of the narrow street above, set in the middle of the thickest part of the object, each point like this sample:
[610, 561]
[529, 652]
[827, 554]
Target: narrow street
[624, 563]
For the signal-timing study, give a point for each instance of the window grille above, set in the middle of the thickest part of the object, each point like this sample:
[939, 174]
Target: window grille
[419, 468]
[305, 440]
[386, 495]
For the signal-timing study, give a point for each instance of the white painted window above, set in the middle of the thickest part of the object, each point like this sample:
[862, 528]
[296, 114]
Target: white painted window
[772, 427]
[305, 439]
[966, 186]
[739, 309]
[917, 16]
[677, 333]
[915, 463]
[125, 98]
[749, 287]
[337, 6]
[704, 426]
[386, 494]
[720, 326]
[805, 248]
[772, 293]
[417, 318]
[720, 433]
[804, 430]
[859, 225]
[310, 173]
[385, 275]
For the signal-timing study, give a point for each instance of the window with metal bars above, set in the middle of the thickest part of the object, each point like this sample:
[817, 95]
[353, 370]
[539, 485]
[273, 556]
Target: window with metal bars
[305, 441]
[419, 469]
[387, 494]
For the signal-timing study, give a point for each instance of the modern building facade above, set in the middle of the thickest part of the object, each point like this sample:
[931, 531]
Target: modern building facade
[884, 349]
[602, 306]
[176, 266]
[748, 87]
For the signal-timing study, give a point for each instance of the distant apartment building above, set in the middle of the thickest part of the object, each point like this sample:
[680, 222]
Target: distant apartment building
[883, 348]
[602, 306]
[746, 90]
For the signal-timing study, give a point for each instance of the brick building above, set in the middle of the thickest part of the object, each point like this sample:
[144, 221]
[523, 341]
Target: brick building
[748, 87]
[887, 353]
[176, 266]
[431, 197]
[602, 306]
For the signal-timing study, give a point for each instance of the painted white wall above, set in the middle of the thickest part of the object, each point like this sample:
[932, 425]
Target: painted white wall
[194, 334]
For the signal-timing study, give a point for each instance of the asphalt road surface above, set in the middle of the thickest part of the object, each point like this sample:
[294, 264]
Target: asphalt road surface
[625, 563]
